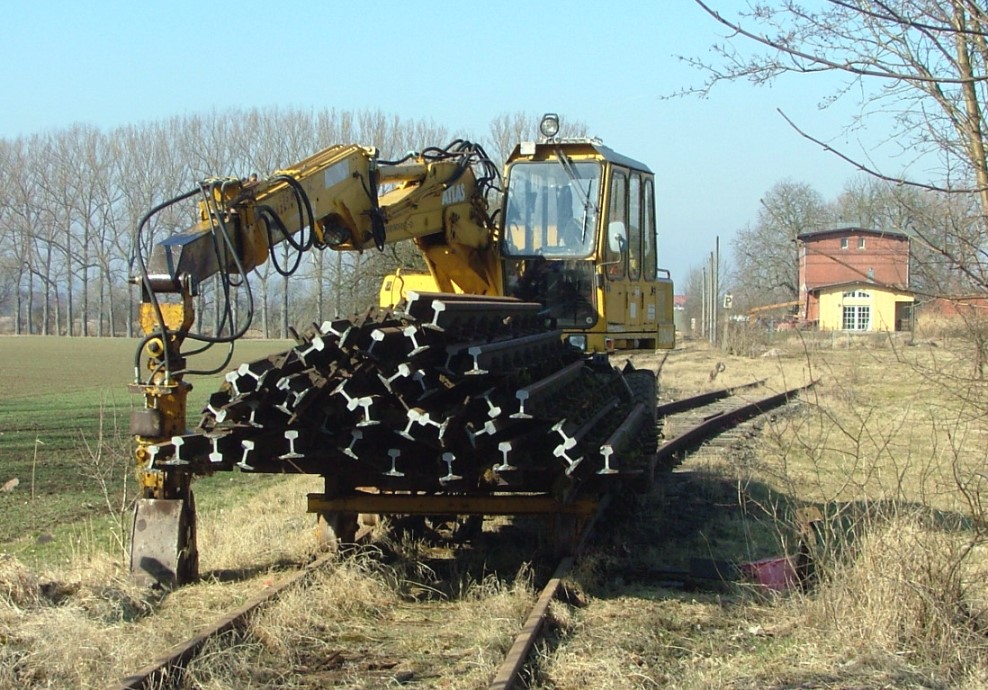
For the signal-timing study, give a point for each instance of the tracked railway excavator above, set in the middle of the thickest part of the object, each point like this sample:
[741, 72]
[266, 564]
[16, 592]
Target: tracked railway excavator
[486, 390]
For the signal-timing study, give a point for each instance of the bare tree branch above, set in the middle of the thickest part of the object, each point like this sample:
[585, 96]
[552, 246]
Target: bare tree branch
[871, 171]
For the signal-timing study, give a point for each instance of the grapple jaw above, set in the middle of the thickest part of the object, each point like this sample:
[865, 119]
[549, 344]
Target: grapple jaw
[163, 545]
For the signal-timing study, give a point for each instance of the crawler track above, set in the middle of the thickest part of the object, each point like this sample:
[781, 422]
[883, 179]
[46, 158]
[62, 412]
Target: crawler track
[697, 420]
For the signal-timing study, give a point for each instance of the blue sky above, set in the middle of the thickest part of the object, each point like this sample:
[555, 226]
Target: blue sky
[607, 64]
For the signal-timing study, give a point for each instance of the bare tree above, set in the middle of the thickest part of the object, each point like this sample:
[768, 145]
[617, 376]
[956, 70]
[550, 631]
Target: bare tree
[765, 252]
[508, 129]
[925, 63]
[941, 225]
[30, 222]
[147, 169]
[695, 292]
[76, 184]
[72, 199]
[18, 217]
[8, 238]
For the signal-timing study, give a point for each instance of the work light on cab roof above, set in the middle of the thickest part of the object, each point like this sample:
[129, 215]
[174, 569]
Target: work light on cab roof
[549, 126]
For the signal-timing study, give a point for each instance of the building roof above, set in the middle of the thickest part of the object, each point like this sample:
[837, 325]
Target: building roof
[841, 230]
[861, 283]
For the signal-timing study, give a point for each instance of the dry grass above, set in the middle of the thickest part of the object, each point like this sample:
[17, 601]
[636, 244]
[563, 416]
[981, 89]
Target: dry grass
[354, 624]
[906, 589]
[84, 624]
[351, 629]
[696, 368]
[890, 446]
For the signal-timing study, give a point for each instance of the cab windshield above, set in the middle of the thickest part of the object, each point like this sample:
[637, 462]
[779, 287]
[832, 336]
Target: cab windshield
[551, 209]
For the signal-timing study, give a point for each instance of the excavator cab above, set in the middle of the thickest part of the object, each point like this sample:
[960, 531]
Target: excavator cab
[579, 237]
[577, 234]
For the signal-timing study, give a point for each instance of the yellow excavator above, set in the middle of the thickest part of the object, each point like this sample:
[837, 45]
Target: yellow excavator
[481, 387]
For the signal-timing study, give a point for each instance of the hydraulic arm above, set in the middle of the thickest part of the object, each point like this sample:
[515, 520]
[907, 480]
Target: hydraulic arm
[343, 198]
[479, 392]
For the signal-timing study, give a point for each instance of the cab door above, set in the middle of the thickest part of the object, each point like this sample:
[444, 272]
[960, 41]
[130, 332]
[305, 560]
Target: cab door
[650, 289]
[614, 264]
[635, 294]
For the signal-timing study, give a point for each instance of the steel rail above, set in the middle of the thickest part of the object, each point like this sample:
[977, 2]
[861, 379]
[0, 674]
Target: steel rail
[514, 660]
[702, 399]
[160, 671]
[711, 426]
[510, 670]
[174, 661]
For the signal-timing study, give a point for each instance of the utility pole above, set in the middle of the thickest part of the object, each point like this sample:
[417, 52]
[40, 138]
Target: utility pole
[711, 306]
[710, 309]
[704, 305]
[715, 298]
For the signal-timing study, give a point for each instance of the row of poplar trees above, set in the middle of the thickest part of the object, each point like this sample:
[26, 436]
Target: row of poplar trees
[72, 199]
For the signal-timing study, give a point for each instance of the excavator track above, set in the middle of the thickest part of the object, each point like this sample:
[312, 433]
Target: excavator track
[450, 394]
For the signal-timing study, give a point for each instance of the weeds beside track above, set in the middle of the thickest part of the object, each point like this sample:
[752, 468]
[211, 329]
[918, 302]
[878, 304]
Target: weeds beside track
[346, 663]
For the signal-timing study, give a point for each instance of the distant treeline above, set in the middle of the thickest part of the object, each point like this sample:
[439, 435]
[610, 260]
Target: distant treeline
[71, 200]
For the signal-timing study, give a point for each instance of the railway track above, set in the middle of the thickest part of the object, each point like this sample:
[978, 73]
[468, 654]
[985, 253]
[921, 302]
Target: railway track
[687, 425]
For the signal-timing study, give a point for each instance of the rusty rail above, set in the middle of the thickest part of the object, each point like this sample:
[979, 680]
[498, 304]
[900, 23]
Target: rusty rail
[514, 662]
[174, 661]
[711, 426]
[702, 399]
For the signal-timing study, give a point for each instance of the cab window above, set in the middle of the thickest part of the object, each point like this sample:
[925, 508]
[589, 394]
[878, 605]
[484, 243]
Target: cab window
[616, 241]
[635, 227]
[649, 245]
[551, 209]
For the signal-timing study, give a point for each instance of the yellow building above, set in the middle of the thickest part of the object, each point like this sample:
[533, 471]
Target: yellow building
[863, 307]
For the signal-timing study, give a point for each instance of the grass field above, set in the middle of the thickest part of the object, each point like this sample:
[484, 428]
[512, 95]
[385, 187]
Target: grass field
[64, 412]
[889, 447]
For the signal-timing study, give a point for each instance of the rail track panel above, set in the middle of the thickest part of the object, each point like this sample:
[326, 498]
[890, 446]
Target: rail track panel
[449, 612]
[670, 562]
[418, 611]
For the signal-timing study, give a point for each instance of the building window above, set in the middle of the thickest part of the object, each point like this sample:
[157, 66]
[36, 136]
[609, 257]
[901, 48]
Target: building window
[843, 243]
[857, 318]
[861, 243]
[857, 294]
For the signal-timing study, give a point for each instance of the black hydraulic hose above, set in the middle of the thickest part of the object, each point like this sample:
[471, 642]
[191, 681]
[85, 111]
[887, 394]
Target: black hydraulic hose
[269, 217]
[303, 203]
[217, 213]
[408, 156]
[219, 225]
[306, 217]
[378, 225]
[220, 233]
[146, 285]
[209, 372]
